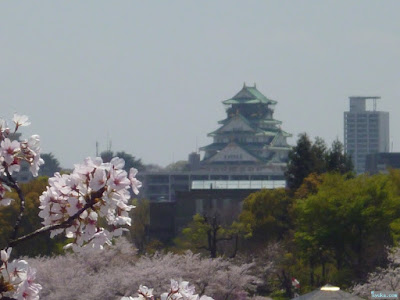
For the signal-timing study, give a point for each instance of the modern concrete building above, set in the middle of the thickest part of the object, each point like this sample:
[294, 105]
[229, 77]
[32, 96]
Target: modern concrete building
[365, 131]
[382, 162]
[163, 186]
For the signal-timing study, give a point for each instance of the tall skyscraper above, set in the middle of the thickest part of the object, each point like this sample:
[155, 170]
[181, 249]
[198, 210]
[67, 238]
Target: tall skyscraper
[365, 131]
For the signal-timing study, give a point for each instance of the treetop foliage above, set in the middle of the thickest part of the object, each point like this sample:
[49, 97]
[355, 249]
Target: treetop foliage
[51, 165]
[266, 214]
[130, 160]
[307, 157]
[348, 222]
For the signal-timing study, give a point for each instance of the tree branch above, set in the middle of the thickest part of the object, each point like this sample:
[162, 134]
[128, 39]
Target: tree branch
[203, 247]
[48, 228]
[225, 239]
[63, 224]
[13, 183]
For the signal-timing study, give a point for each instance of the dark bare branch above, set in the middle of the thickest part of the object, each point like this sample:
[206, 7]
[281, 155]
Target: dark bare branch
[14, 184]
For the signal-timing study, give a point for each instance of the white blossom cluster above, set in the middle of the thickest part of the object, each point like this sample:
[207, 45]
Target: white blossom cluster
[94, 189]
[13, 152]
[17, 278]
[382, 279]
[179, 291]
[73, 204]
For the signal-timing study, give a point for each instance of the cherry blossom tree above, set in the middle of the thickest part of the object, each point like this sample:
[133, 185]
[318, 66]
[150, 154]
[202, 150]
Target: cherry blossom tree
[73, 204]
[117, 271]
[383, 279]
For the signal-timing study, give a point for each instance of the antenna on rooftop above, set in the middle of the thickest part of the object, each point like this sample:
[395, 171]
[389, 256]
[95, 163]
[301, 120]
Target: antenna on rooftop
[109, 143]
[97, 149]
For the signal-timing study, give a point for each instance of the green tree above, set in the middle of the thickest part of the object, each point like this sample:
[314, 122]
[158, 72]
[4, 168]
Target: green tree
[51, 165]
[140, 223]
[42, 244]
[349, 222]
[305, 158]
[181, 165]
[337, 160]
[266, 215]
[309, 186]
[319, 152]
[205, 233]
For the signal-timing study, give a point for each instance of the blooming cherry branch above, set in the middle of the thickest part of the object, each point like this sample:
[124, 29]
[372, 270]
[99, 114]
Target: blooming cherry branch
[179, 291]
[94, 189]
[72, 204]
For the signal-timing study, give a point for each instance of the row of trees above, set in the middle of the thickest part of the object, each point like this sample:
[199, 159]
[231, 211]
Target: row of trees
[307, 161]
[329, 225]
[52, 164]
[118, 271]
[338, 232]
[315, 157]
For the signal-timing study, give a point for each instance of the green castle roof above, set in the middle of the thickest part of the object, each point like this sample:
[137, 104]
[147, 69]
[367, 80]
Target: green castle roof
[249, 95]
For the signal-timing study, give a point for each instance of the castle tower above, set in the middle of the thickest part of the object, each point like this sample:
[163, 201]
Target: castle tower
[249, 139]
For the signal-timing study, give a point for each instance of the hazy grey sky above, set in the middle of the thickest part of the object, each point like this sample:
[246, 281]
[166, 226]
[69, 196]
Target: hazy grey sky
[151, 75]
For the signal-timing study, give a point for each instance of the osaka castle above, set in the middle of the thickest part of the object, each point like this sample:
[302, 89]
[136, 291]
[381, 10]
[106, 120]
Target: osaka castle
[249, 139]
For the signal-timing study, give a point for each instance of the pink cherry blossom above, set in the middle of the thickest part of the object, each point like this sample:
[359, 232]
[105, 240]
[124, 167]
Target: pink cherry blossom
[117, 163]
[98, 180]
[35, 165]
[9, 149]
[28, 289]
[3, 125]
[118, 180]
[5, 255]
[20, 120]
[21, 276]
[136, 184]
[17, 270]
[181, 291]
[100, 190]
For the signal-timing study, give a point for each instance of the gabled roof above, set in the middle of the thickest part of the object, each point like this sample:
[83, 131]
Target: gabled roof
[278, 137]
[237, 121]
[249, 95]
[213, 147]
[233, 152]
